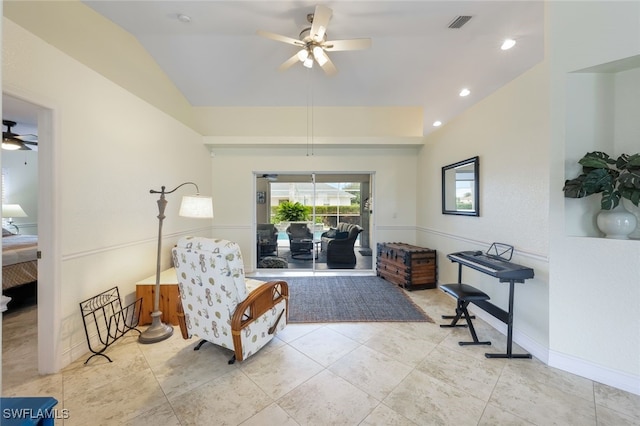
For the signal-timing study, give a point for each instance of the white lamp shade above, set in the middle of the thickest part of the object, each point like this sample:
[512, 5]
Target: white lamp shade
[196, 206]
[12, 210]
[320, 56]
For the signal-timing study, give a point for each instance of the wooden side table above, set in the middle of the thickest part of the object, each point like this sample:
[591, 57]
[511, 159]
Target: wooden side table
[169, 297]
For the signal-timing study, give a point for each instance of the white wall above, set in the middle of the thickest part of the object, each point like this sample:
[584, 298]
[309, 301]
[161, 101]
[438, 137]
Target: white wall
[509, 132]
[594, 293]
[21, 187]
[233, 185]
[110, 148]
[581, 310]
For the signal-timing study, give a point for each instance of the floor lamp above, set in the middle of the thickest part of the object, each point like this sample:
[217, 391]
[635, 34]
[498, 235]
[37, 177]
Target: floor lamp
[195, 206]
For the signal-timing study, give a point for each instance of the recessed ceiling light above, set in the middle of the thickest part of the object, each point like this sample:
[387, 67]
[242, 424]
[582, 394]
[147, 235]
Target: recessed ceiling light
[508, 44]
[184, 18]
[437, 123]
[465, 92]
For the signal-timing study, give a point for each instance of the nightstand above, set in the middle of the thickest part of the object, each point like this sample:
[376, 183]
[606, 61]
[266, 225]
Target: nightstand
[169, 297]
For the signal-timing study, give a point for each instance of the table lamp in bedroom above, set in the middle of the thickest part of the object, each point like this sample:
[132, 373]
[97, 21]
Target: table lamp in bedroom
[9, 211]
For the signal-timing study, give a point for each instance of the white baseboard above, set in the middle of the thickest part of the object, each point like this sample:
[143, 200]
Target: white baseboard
[534, 348]
[597, 373]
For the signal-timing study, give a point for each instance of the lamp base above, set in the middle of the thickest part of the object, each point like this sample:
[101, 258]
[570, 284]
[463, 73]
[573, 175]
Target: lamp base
[157, 331]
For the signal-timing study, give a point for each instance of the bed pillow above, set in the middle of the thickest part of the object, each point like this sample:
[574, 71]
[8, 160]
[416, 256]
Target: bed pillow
[6, 232]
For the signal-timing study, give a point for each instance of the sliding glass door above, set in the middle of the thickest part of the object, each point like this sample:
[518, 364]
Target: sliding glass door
[316, 221]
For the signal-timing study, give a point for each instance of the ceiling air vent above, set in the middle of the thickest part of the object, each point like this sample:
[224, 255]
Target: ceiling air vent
[459, 21]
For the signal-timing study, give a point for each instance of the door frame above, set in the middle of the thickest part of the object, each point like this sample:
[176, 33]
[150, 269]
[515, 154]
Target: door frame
[313, 175]
[49, 262]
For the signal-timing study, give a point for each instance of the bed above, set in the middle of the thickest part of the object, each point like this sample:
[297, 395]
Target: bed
[19, 259]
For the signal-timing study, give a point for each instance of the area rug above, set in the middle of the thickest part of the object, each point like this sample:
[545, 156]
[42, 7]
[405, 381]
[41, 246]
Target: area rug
[349, 299]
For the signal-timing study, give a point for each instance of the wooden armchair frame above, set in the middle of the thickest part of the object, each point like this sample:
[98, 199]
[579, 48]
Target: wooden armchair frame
[259, 301]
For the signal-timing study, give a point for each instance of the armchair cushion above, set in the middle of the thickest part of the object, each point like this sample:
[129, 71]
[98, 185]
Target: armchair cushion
[331, 233]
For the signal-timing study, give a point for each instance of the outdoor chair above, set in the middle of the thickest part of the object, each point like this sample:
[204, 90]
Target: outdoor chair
[339, 244]
[267, 239]
[300, 238]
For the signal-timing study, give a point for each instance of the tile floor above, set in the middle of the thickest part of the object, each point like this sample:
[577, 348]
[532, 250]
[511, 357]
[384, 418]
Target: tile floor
[316, 374]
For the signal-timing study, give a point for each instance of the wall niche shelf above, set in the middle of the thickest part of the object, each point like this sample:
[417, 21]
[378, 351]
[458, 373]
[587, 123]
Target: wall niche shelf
[602, 102]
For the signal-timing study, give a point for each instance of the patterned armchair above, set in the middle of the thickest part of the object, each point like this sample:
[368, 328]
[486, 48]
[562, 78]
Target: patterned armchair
[217, 305]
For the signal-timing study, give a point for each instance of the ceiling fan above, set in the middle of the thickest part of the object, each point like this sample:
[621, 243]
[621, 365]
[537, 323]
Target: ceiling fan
[313, 42]
[13, 142]
[269, 176]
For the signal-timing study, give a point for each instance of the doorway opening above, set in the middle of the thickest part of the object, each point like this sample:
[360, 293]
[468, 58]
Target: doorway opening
[317, 221]
[37, 180]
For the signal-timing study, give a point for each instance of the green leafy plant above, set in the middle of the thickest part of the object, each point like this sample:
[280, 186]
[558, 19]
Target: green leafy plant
[292, 212]
[601, 174]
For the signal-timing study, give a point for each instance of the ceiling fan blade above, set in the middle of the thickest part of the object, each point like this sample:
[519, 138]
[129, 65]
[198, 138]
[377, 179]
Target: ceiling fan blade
[28, 138]
[328, 67]
[288, 63]
[321, 18]
[279, 37]
[354, 44]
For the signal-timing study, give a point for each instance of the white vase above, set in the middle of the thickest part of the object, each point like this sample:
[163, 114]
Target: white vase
[616, 223]
[632, 208]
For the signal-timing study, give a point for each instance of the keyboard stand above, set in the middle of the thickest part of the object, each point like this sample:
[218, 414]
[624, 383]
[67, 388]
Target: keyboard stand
[509, 321]
[475, 296]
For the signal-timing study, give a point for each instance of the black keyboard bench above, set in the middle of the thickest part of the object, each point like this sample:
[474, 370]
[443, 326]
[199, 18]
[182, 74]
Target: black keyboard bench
[464, 295]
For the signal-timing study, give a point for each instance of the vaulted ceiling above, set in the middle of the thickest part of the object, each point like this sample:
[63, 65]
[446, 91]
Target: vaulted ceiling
[217, 58]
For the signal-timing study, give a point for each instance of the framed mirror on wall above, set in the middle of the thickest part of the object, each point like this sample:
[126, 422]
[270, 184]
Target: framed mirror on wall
[461, 188]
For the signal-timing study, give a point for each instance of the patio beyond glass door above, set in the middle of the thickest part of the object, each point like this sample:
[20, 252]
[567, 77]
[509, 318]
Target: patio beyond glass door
[300, 215]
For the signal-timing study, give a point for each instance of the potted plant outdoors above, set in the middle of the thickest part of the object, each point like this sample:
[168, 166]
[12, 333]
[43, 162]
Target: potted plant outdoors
[288, 212]
[292, 212]
[616, 180]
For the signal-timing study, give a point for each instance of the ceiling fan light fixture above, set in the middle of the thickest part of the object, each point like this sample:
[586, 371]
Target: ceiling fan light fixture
[11, 145]
[308, 62]
[508, 44]
[320, 55]
[312, 44]
[303, 54]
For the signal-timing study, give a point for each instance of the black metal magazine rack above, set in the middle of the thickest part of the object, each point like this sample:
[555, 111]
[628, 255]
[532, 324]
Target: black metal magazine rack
[104, 316]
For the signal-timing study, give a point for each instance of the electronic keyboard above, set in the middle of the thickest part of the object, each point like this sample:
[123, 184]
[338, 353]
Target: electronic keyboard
[492, 265]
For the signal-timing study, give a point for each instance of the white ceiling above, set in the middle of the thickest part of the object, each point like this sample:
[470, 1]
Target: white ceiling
[415, 60]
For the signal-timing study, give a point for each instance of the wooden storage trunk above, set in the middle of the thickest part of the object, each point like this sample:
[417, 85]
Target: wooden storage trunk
[408, 266]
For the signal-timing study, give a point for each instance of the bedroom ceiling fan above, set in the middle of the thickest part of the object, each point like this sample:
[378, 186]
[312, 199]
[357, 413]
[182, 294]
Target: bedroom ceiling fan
[13, 142]
[313, 42]
[269, 177]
